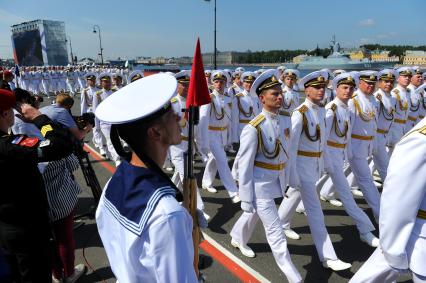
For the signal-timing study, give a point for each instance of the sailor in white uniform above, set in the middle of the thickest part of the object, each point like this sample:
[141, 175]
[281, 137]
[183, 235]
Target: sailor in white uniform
[263, 157]
[386, 105]
[338, 138]
[402, 215]
[117, 79]
[291, 97]
[177, 151]
[415, 98]
[88, 92]
[402, 96]
[215, 122]
[135, 75]
[98, 98]
[364, 112]
[147, 235]
[422, 91]
[307, 142]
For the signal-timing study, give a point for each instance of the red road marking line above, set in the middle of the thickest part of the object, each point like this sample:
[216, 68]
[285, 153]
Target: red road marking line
[225, 261]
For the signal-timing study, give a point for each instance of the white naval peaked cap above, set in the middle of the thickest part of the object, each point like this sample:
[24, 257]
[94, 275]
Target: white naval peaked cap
[134, 74]
[368, 76]
[250, 76]
[330, 74]
[221, 75]
[240, 69]
[117, 74]
[404, 71]
[183, 76]
[338, 72]
[345, 78]
[386, 74]
[417, 70]
[90, 74]
[137, 100]
[103, 75]
[281, 68]
[267, 79]
[317, 77]
[291, 72]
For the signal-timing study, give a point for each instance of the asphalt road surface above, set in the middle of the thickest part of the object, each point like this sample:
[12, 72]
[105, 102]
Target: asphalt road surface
[221, 262]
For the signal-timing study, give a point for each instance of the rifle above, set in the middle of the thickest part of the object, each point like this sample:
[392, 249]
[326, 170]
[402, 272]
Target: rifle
[190, 183]
[83, 157]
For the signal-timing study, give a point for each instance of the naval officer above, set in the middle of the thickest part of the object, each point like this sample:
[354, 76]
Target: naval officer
[291, 97]
[415, 98]
[402, 215]
[307, 142]
[338, 136]
[147, 235]
[263, 155]
[215, 122]
[402, 96]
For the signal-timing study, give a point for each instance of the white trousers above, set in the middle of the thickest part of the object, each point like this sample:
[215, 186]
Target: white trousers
[177, 178]
[365, 182]
[45, 85]
[315, 216]
[106, 131]
[341, 185]
[71, 87]
[381, 156]
[268, 214]
[377, 270]
[218, 162]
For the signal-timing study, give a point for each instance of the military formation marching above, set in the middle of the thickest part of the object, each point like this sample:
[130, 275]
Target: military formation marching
[320, 137]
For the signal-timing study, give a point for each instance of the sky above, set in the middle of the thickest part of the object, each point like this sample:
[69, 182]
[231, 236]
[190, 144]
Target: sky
[170, 28]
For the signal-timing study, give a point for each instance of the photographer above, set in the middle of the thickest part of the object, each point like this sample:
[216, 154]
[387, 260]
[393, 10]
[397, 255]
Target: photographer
[25, 233]
[62, 192]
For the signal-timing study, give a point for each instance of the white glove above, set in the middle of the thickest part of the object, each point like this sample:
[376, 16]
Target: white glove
[247, 207]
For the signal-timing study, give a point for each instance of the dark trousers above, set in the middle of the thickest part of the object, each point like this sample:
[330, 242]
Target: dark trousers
[63, 259]
[28, 253]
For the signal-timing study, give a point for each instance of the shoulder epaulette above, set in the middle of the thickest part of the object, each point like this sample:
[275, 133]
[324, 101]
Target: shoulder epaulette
[174, 100]
[333, 106]
[257, 120]
[233, 86]
[303, 109]
[114, 89]
[239, 94]
[379, 96]
[284, 91]
[408, 90]
[354, 95]
[422, 130]
[99, 92]
[396, 91]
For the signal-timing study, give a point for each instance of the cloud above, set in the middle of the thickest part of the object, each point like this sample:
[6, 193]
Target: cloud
[366, 23]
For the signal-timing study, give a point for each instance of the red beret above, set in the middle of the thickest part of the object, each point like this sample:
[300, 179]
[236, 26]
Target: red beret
[7, 99]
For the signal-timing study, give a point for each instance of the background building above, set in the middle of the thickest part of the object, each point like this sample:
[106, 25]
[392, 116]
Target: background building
[415, 57]
[383, 55]
[39, 42]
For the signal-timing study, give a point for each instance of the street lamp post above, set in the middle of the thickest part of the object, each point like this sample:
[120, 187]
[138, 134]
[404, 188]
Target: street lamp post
[100, 42]
[215, 49]
[72, 55]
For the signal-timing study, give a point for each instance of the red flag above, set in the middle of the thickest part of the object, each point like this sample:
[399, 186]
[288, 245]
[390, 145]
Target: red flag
[198, 92]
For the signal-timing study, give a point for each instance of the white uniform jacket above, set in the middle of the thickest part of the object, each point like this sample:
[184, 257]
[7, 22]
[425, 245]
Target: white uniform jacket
[363, 118]
[337, 134]
[263, 157]
[244, 109]
[147, 235]
[385, 109]
[307, 143]
[403, 204]
[290, 100]
[179, 103]
[413, 110]
[215, 121]
[401, 114]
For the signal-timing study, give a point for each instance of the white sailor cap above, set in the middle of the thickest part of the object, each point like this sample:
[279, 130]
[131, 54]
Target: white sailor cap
[368, 76]
[404, 71]
[104, 76]
[344, 78]
[236, 74]
[240, 69]
[281, 68]
[313, 79]
[220, 75]
[183, 76]
[115, 75]
[266, 80]
[338, 72]
[135, 75]
[417, 70]
[386, 74]
[259, 71]
[292, 73]
[248, 77]
[129, 103]
[90, 76]
[228, 74]
[207, 73]
[329, 73]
